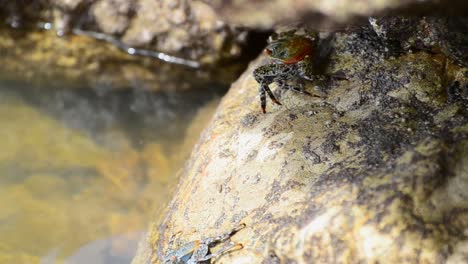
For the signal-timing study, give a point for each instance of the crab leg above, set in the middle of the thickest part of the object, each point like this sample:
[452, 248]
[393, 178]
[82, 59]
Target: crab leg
[270, 94]
[261, 93]
[224, 236]
[228, 247]
[261, 90]
[173, 238]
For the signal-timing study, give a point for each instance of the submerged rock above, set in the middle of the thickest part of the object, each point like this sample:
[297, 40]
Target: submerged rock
[373, 171]
[98, 162]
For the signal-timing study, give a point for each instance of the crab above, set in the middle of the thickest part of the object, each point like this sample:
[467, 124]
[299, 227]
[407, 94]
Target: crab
[291, 56]
[198, 251]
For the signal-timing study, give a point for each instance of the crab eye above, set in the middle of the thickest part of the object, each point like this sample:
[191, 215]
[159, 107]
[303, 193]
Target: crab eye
[273, 37]
[268, 51]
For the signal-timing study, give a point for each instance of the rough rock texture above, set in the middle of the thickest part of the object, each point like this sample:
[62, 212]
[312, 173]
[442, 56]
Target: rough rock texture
[269, 13]
[187, 28]
[432, 34]
[374, 171]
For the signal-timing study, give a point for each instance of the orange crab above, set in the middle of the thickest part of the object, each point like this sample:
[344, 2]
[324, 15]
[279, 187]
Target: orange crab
[290, 54]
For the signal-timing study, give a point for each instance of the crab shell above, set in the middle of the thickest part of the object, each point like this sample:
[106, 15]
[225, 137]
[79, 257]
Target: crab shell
[290, 50]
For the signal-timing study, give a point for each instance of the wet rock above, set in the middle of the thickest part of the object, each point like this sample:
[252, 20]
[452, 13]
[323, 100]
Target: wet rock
[80, 61]
[189, 29]
[113, 15]
[373, 171]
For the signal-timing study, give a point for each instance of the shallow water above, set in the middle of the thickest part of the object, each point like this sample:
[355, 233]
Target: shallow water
[82, 171]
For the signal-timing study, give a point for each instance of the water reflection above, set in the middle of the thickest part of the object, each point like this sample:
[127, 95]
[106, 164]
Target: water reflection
[82, 171]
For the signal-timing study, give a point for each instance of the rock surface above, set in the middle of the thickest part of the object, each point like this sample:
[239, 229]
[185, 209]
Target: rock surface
[42, 58]
[190, 29]
[271, 13]
[374, 171]
[207, 31]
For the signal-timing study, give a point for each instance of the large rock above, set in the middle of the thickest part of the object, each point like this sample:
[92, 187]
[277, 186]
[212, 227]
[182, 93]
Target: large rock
[374, 171]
